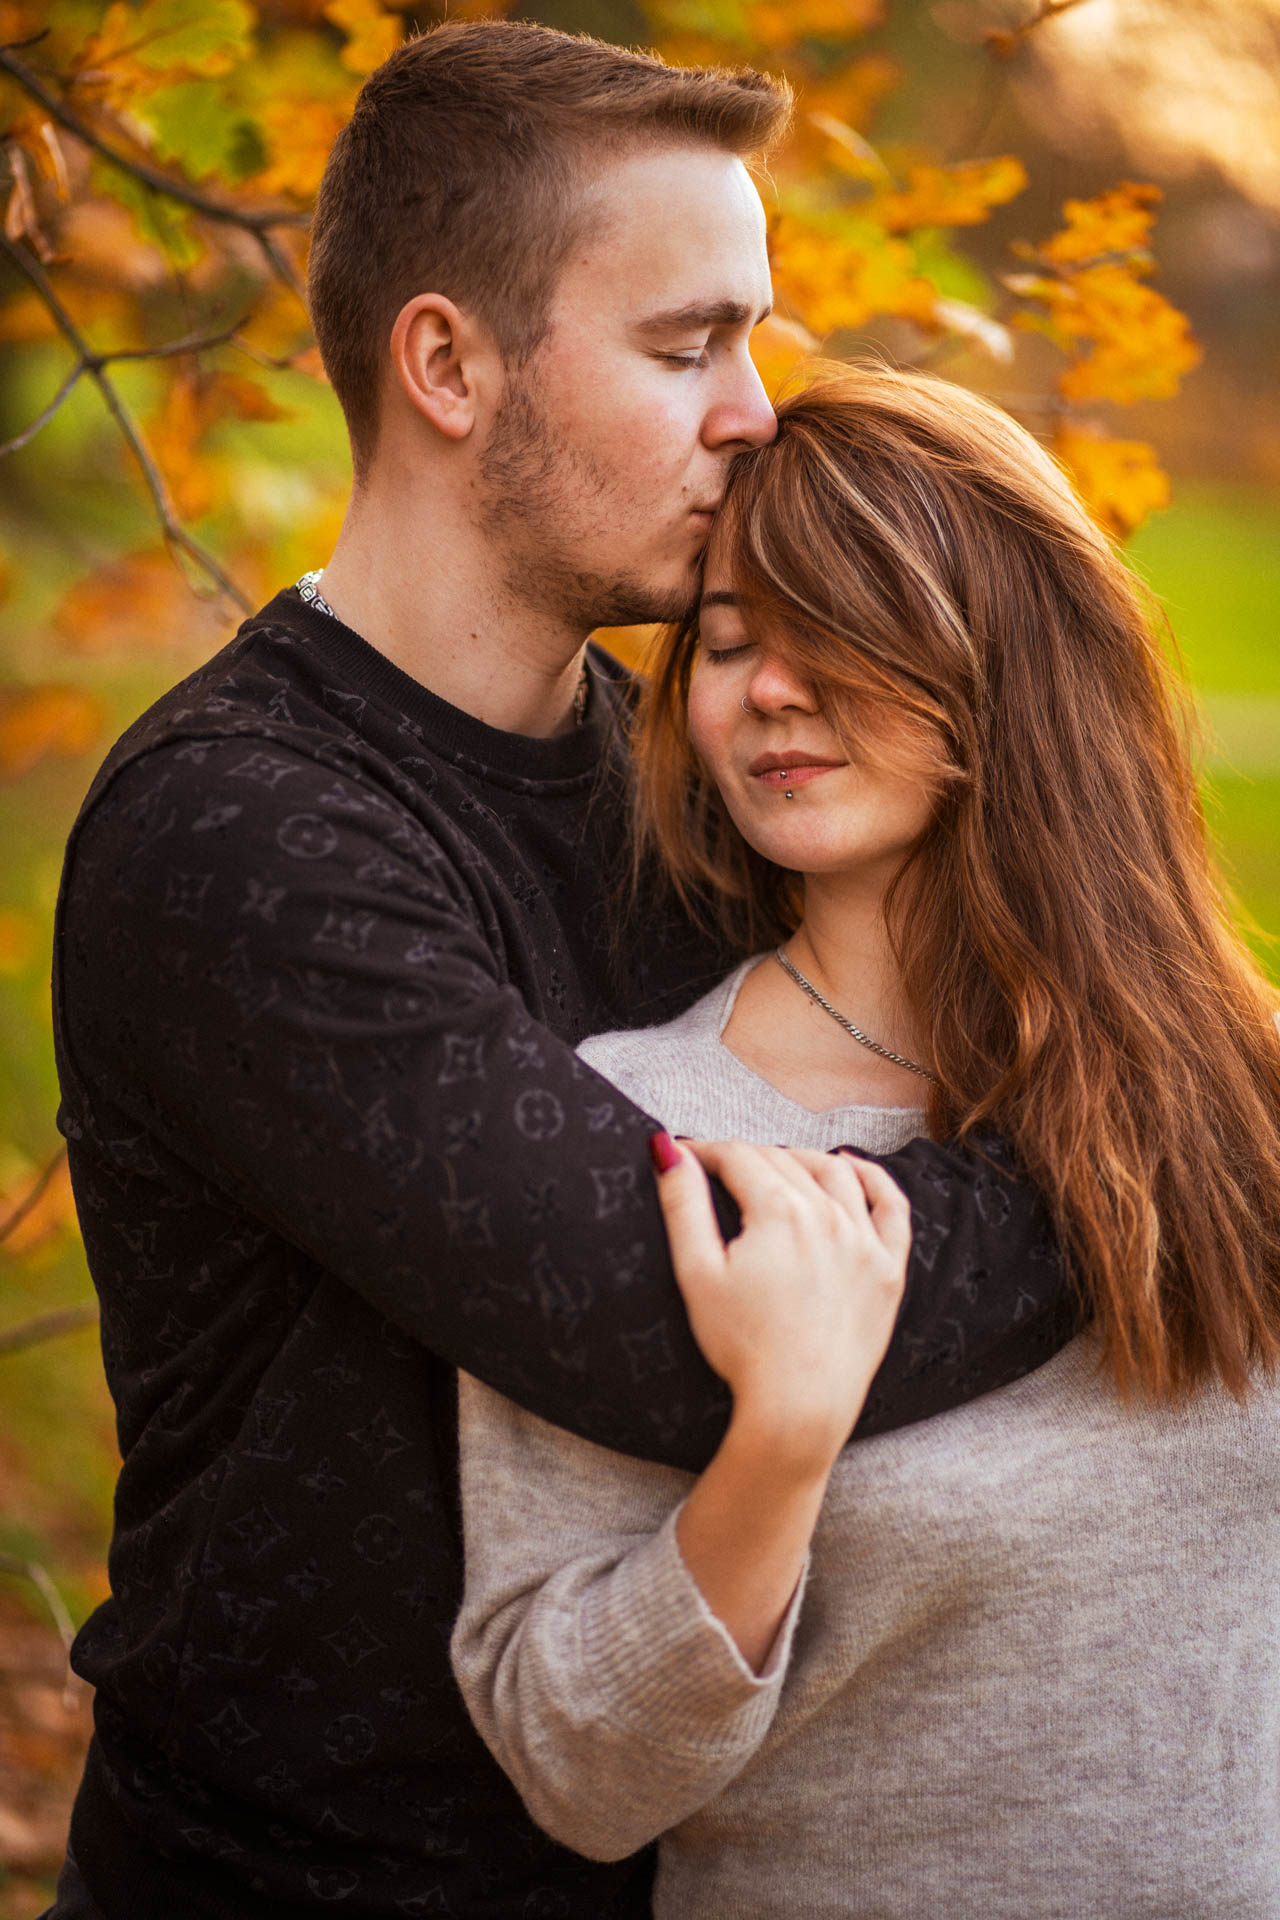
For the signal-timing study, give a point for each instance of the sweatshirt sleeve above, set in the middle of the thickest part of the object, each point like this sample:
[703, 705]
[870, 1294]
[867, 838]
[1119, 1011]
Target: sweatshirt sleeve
[599, 1678]
[291, 986]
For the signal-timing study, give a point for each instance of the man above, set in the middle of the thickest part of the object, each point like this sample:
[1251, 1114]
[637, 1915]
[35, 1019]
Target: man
[333, 916]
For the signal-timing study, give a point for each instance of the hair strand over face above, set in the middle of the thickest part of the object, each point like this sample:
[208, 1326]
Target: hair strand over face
[1064, 938]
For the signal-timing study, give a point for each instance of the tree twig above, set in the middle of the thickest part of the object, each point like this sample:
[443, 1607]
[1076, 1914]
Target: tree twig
[29, 1200]
[42, 419]
[42, 1579]
[47, 1326]
[187, 196]
[174, 531]
[168, 350]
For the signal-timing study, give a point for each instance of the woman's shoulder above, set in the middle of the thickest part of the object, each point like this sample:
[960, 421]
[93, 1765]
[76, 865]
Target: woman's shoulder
[643, 1061]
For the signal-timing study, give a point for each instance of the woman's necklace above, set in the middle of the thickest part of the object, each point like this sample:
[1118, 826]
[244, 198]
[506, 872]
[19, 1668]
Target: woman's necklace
[856, 1032]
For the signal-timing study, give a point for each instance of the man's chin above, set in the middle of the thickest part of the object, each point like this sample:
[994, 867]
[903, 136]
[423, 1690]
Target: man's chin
[635, 603]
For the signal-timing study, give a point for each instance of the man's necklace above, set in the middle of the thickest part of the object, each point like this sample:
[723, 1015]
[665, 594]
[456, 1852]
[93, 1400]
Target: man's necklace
[885, 1053]
[309, 589]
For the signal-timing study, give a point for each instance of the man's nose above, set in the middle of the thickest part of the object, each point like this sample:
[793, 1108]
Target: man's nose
[743, 416]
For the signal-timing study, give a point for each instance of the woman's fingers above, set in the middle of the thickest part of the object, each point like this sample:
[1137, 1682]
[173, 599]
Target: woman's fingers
[687, 1209]
[759, 1178]
[888, 1205]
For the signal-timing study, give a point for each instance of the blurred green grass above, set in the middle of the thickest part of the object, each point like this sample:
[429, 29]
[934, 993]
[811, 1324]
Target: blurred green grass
[1214, 562]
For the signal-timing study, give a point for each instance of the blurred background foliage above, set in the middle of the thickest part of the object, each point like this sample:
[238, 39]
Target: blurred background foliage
[1071, 205]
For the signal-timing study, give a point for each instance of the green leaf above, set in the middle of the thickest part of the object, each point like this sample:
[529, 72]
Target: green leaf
[192, 123]
[203, 36]
[162, 222]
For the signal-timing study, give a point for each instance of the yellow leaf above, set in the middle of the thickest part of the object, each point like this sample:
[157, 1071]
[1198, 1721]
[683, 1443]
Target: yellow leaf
[19, 939]
[38, 721]
[53, 1214]
[372, 33]
[835, 275]
[631, 645]
[247, 399]
[139, 601]
[778, 348]
[299, 134]
[1120, 481]
[784, 23]
[1117, 221]
[954, 196]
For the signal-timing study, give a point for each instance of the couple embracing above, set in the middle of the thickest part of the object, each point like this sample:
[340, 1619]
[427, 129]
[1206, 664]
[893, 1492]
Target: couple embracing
[486, 1405]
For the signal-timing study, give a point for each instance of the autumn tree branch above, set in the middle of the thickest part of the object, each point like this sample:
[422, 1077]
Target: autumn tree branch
[92, 364]
[257, 224]
[29, 1200]
[168, 350]
[42, 1579]
[47, 1326]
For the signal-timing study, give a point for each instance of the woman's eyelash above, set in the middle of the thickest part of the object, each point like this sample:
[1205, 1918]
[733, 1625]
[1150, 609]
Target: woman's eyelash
[726, 653]
[698, 359]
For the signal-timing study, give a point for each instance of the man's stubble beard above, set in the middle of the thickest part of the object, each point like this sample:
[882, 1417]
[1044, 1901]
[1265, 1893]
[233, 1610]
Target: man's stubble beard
[530, 481]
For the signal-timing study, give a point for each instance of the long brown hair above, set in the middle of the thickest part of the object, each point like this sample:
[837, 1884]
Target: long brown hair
[1064, 938]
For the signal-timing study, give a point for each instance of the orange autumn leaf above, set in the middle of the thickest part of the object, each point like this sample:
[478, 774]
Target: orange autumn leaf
[372, 33]
[784, 23]
[1120, 481]
[847, 98]
[779, 348]
[1089, 294]
[19, 940]
[36, 722]
[139, 603]
[1118, 221]
[961, 195]
[52, 1215]
[299, 135]
[632, 645]
[839, 274]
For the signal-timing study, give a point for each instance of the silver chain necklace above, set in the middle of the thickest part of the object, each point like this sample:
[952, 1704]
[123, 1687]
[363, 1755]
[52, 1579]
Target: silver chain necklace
[856, 1032]
[309, 588]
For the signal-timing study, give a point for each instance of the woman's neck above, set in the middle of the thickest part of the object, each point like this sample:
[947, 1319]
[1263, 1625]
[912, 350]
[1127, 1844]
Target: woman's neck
[842, 946]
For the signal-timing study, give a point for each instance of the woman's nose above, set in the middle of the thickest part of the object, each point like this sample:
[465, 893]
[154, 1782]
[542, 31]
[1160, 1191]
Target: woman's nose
[775, 685]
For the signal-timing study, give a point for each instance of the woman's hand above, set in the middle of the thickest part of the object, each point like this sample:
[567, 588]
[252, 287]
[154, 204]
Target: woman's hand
[796, 1312]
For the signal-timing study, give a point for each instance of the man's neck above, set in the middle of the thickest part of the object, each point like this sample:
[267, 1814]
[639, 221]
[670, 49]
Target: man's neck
[422, 595]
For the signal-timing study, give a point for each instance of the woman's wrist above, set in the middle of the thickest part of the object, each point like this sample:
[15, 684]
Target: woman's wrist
[782, 1440]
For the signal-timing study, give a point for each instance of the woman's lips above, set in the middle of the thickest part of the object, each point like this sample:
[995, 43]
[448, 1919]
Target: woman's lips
[790, 777]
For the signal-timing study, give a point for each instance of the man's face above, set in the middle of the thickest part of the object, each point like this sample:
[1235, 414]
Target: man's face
[609, 452]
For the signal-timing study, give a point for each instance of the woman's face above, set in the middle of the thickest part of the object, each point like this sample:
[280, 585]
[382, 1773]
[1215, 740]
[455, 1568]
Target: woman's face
[848, 813]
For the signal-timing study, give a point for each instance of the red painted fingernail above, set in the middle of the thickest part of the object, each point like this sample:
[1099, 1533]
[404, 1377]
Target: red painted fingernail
[664, 1152]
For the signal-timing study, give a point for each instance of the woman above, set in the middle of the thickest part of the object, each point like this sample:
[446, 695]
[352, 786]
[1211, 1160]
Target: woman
[919, 733]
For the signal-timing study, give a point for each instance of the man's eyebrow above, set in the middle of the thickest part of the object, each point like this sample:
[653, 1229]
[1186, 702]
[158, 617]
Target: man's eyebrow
[701, 313]
[718, 600]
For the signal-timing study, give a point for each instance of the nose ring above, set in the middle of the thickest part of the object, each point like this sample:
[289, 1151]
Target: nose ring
[746, 708]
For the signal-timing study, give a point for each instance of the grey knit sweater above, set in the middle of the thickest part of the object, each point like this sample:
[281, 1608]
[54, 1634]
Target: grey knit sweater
[1033, 1674]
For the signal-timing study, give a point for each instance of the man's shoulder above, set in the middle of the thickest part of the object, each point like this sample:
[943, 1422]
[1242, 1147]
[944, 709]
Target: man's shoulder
[251, 688]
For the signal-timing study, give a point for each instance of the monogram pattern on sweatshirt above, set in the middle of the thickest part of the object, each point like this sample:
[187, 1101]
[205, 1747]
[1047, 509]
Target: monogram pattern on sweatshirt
[323, 950]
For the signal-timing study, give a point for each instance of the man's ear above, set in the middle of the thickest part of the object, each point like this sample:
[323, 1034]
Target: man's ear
[437, 351]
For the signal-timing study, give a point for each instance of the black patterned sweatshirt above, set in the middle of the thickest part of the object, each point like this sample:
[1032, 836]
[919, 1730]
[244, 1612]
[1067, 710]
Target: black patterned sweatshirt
[324, 947]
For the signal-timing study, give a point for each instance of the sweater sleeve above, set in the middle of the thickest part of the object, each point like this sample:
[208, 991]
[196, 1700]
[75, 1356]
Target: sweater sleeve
[599, 1678]
[292, 987]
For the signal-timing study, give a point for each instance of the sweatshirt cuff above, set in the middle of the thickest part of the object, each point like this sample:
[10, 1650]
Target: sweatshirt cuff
[669, 1664]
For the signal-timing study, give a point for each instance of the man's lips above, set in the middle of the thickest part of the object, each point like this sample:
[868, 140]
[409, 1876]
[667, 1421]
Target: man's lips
[790, 769]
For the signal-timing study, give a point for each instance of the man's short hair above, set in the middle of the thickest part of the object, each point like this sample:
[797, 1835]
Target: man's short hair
[460, 173]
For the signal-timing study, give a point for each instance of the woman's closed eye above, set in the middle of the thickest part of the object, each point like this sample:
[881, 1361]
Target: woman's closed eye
[733, 652]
